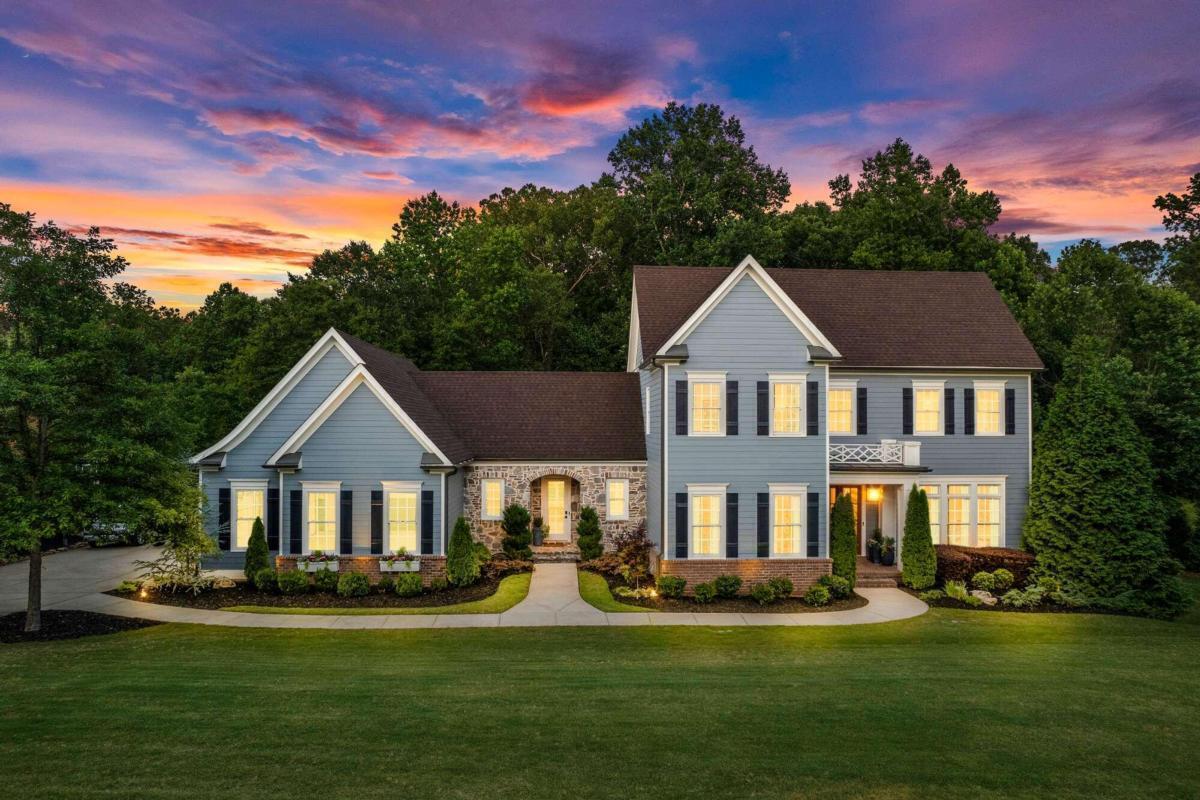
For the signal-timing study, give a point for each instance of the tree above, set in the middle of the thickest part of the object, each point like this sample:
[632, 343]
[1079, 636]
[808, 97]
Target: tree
[1181, 218]
[919, 561]
[589, 534]
[515, 524]
[462, 565]
[843, 542]
[1094, 522]
[257, 555]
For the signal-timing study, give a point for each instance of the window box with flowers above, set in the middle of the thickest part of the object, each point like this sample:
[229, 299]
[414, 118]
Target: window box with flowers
[400, 561]
[317, 561]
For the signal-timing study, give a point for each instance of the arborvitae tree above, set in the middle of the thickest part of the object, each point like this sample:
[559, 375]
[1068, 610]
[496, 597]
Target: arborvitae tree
[1095, 522]
[843, 543]
[516, 532]
[257, 554]
[589, 534]
[919, 569]
[462, 565]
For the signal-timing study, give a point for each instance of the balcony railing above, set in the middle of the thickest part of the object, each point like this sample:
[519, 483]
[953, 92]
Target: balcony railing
[888, 452]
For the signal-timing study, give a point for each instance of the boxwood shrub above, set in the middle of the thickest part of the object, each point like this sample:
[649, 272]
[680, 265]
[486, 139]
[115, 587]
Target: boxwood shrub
[727, 585]
[326, 580]
[408, 584]
[293, 581]
[763, 594]
[671, 585]
[353, 584]
[984, 580]
[783, 587]
[817, 595]
[839, 588]
[705, 592]
[265, 580]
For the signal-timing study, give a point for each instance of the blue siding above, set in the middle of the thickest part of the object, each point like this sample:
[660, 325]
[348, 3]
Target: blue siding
[651, 391]
[747, 336]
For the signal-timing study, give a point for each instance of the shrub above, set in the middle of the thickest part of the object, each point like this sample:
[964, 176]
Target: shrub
[588, 531]
[499, 567]
[438, 584]
[727, 585]
[957, 590]
[408, 584]
[326, 580]
[705, 592]
[984, 580]
[1183, 532]
[128, 587]
[972, 601]
[292, 581]
[482, 554]
[516, 532]
[957, 563]
[932, 595]
[919, 570]
[763, 594]
[387, 583]
[784, 587]
[839, 587]
[265, 580]
[257, 554]
[353, 584]
[671, 585]
[632, 549]
[1016, 598]
[462, 567]
[1003, 579]
[843, 543]
[817, 595]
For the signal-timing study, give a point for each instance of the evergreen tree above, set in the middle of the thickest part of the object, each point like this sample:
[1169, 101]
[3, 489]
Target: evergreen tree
[462, 565]
[589, 534]
[919, 570]
[516, 532]
[257, 555]
[843, 543]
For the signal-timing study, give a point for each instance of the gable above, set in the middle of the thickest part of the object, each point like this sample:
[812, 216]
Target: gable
[745, 321]
[362, 430]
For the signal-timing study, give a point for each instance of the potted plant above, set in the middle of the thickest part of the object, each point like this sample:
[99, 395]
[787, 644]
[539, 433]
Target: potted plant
[538, 536]
[317, 561]
[887, 552]
[399, 561]
[874, 545]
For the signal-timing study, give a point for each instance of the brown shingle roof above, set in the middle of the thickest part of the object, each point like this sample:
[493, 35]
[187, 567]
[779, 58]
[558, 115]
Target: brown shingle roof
[875, 318]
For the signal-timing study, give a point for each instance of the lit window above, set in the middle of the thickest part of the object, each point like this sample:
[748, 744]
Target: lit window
[933, 495]
[617, 492]
[987, 526]
[841, 410]
[249, 504]
[706, 524]
[787, 407]
[706, 406]
[987, 410]
[958, 514]
[402, 521]
[787, 526]
[928, 404]
[322, 521]
[492, 501]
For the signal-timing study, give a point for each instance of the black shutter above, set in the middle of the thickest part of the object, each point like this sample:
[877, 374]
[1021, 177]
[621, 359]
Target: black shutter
[377, 521]
[861, 409]
[223, 518]
[273, 519]
[296, 522]
[764, 408]
[347, 526]
[969, 412]
[681, 408]
[731, 525]
[1010, 412]
[949, 412]
[814, 524]
[427, 522]
[907, 412]
[731, 408]
[814, 425]
[764, 525]
[681, 525]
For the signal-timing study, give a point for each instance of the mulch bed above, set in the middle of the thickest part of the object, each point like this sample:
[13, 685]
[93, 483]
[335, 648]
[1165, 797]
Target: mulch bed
[244, 594]
[736, 605]
[67, 625]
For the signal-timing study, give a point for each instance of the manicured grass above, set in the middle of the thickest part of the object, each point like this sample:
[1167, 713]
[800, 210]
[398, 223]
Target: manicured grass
[511, 591]
[594, 590]
[951, 704]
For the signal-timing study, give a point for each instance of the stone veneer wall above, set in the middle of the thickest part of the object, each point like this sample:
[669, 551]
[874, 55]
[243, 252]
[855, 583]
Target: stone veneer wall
[431, 566]
[803, 572]
[522, 484]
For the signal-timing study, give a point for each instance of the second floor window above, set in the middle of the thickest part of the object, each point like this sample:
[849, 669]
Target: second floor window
[706, 406]
[841, 410]
[787, 407]
[988, 409]
[927, 401]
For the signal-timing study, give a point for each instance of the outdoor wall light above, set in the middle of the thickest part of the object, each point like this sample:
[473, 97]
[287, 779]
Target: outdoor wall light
[874, 494]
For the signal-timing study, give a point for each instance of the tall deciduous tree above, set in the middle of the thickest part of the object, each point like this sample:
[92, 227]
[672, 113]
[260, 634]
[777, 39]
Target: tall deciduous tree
[1181, 217]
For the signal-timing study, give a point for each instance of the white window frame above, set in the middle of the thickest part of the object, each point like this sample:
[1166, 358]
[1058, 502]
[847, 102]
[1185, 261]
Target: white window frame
[244, 485]
[972, 496]
[789, 490]
[400, 487]
[843, 385]
[309, 487]
[483, 484]
[706, 377]
[608, 495]
[718, 490]
[940, 387]
[988, 386]
[801, 378]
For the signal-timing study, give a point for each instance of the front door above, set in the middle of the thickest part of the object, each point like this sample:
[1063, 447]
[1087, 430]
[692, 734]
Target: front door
[555, 496]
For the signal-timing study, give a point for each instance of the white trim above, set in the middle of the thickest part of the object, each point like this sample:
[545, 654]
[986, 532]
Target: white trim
[483, 483]
[330, 340]
[563, 462]
[825, 504]
[842, 385]
[607, 508]
[1029, 425]
[308, 487]
[664, 479]
[401, 487]
[752, 268]
[940, 387]
[442, 515]
[646, 410]
[357, 377]
[244, 485]
[787, 490]
[787, 377]
[707, 489]
[635, 333]
[998, 387]
[706, 377]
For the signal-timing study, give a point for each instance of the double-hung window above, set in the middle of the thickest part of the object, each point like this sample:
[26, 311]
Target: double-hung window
[927, 407]
[402, 509]
[787, 404]
[840, 419]
[987, 515]
[491, 498]
[321, 516]
[707, 510]
[958, 514]
[249, 503]
[989, 407]
[617, 498]
[933, 494]
[707, 393]
[787, 520]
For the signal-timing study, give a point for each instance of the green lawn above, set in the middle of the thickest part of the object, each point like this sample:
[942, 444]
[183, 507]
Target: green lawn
[512, 590]
[952, 704]
[594, 589]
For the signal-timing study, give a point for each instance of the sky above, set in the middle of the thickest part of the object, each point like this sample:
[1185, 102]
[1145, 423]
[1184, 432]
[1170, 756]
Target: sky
[230, 141]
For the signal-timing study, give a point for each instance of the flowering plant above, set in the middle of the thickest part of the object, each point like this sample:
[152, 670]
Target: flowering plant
[318, 557]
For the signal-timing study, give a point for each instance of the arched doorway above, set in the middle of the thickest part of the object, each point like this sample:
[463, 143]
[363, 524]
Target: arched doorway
[555, 499]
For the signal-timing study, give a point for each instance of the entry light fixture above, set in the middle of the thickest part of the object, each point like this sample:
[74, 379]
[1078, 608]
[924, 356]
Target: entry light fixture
[874, 494]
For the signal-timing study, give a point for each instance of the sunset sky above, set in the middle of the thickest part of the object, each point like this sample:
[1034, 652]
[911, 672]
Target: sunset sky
[230, 140]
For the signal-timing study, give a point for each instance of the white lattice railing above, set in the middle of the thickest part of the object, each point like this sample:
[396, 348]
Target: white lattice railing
[886, 452]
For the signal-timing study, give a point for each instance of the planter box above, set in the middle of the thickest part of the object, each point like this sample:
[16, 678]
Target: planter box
[316, 566]
[413, 565]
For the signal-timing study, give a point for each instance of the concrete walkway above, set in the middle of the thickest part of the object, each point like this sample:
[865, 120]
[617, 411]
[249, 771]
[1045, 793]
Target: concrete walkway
[79, 577]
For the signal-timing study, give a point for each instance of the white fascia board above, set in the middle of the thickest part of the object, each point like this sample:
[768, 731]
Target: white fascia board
[635, 333]
[790, 310]
[329, 341]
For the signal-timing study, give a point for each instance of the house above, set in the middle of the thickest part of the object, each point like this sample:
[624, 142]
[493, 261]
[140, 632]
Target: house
[753, 398]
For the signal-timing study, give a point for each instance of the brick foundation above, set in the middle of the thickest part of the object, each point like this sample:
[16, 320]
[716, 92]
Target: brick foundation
[431, 566]
[803, 572]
